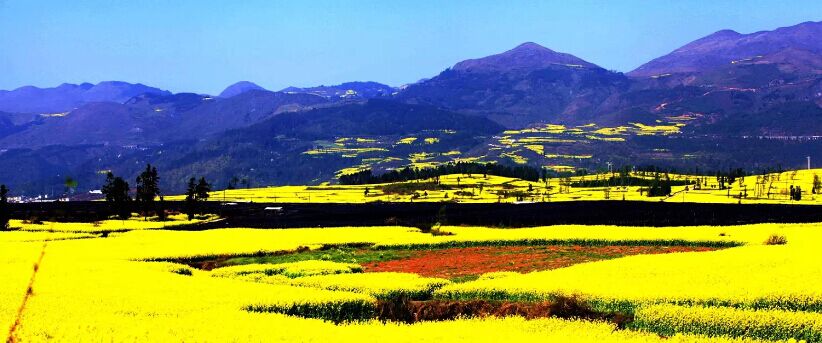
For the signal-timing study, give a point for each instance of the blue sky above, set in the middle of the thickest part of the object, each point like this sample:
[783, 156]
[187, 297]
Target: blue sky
[203, 46]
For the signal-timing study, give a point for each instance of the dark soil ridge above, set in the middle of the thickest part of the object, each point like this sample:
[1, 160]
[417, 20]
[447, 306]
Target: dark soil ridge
[411, 311]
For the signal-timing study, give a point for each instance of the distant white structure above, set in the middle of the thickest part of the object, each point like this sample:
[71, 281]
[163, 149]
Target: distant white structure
[809, 162]
[95, 191]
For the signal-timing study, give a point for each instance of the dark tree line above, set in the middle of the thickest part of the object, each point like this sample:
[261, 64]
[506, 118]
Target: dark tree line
[523, 172]
[408, 173]
[117, 194]
[621, 180]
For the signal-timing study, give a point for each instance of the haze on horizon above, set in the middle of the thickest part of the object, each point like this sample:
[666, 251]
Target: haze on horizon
[204, 46]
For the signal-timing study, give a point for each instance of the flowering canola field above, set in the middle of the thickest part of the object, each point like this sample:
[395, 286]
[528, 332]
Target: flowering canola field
[88, 288]
[477, 188]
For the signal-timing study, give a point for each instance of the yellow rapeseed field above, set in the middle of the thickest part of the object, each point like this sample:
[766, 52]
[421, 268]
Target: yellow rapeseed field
[122, 287]
[111, 225]
[379, 285]
[766, 324]
[477, 188]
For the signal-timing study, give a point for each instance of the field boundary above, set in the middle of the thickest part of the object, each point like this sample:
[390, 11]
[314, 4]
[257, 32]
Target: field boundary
[608, 212]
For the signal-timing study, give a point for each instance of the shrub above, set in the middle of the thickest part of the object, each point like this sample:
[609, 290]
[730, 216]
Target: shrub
[464, 193]
[33, 220]
[182, 271]
[776, 240]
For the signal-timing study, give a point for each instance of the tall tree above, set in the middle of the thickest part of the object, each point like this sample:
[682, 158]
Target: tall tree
[191, 198]
[116, 192]
[148, 188]
[202, 189]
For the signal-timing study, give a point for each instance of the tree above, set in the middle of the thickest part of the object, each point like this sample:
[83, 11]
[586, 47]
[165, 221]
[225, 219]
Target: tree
[196, 192]
[4, 208]
[161, 209]
[71, 184]
[116, 192]
[659, 187]
[817, 185]
[202, 189]
[191, 198]
[147, 188]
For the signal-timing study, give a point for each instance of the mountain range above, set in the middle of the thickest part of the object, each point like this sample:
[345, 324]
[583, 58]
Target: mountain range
[731, 99]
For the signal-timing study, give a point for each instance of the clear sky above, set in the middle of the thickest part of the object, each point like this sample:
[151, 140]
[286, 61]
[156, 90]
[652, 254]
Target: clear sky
[203, 46]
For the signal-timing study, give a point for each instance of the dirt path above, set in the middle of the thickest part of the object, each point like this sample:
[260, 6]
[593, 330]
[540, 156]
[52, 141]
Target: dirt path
[29, 293]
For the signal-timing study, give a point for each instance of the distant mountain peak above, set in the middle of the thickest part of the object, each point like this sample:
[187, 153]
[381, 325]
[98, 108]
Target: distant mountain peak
[526, 56]
[529, 46]
[725, 33]
[239, 88]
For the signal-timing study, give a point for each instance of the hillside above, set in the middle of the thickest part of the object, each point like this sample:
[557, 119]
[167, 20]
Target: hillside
[727, 46]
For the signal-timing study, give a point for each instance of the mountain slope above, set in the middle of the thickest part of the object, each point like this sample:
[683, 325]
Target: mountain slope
[374, 117]
[274, 150]
[765, 83]
[725, 47]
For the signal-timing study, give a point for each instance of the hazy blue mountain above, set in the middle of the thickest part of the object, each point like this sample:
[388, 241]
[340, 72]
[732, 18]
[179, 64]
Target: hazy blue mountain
[151, 119]
[66, 97]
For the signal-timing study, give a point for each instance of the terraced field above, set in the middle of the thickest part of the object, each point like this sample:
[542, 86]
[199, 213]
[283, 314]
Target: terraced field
[349, 284]
[557, 147]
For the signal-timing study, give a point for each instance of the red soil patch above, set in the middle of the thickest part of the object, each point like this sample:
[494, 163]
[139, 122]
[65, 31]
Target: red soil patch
[461, 262]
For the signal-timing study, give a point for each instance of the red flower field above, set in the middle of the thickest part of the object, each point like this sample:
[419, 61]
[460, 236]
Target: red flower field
[464, 262]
